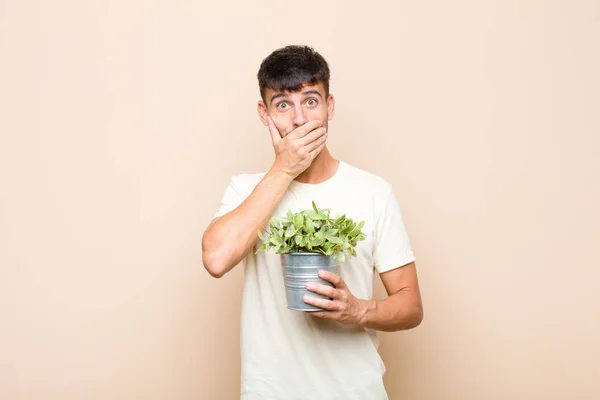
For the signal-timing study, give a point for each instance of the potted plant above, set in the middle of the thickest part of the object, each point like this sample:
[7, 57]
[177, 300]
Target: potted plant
[307, 242]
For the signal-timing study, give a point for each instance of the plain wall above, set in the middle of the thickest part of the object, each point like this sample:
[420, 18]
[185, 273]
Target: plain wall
[122, 121]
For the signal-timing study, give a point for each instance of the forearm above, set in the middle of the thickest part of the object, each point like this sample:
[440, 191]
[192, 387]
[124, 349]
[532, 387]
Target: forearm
[228, 241]
[401, 311]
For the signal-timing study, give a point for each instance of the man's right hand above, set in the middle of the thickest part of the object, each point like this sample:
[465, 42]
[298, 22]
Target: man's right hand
[295, 152]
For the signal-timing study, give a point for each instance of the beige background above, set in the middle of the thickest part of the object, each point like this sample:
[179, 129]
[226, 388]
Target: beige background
[122, 121]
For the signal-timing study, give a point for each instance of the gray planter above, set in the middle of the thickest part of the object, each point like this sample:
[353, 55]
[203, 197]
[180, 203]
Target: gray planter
[300, 268]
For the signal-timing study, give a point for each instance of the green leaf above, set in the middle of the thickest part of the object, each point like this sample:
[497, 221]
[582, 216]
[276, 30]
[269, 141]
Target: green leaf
[263, 236]
[315, 207]
[302, 241]
[298, 221]
[276, 222]
[331, 232]
[347, 227]
[335, 240]
[338, 255]
[289, 232]
[276, 238]
[263, 247]
[316, 216]
[318, 242]
[358, 228]
[309, 226]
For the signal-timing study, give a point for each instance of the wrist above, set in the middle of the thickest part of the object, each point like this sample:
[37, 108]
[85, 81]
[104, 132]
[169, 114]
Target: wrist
[368, 309]
[279, 173]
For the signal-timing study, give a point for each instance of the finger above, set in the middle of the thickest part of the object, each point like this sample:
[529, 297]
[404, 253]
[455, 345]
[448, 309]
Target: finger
[322, 303]
[315, 152]
[275, 135]
[333, 278]
[322, 289]
[322, 314]
[304, 129]
[315, 144]
[314, 135]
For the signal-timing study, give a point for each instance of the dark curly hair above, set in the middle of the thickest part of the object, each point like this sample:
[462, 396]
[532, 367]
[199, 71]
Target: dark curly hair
[291, 67]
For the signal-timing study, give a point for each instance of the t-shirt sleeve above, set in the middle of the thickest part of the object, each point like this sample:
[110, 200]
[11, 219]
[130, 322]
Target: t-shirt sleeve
[231, 199]
[392, 247]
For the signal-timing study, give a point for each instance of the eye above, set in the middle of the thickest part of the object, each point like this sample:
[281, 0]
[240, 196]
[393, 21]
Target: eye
[311, 102]
[283, 105]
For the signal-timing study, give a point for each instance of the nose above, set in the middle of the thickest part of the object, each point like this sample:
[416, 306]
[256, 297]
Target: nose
[299, 117]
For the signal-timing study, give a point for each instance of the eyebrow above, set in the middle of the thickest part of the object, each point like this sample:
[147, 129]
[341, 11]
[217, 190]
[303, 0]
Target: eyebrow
[306, 92]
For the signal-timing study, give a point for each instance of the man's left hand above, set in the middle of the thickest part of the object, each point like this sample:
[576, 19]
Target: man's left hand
[344, 307]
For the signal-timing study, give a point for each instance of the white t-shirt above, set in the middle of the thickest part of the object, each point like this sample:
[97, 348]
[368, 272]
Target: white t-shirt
[289, 355]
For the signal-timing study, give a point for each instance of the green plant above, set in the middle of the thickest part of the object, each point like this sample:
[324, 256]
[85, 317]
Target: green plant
[312, 231]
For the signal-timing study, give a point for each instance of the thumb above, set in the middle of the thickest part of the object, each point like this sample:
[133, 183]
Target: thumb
[275, 135]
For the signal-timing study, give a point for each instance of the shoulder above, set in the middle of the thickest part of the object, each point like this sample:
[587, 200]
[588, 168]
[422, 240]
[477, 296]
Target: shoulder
[365, 180]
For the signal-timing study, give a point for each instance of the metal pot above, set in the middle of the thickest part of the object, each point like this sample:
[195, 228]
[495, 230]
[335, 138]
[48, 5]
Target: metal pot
[300, 268]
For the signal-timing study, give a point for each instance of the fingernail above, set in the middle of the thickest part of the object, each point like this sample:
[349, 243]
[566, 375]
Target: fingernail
[309, 286]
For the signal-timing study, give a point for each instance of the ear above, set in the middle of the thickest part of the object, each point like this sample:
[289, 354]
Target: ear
[263, 113]
[330, 106]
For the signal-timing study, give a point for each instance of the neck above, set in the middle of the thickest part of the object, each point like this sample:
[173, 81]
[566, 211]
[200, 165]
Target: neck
[323, 167]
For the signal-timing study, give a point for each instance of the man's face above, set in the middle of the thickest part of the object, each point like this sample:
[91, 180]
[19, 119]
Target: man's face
[289, 110]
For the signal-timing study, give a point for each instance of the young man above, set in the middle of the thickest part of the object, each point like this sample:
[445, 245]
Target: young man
[321, 355]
